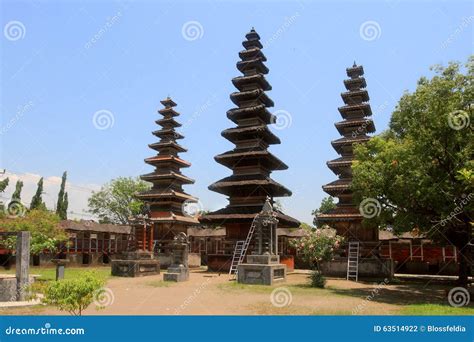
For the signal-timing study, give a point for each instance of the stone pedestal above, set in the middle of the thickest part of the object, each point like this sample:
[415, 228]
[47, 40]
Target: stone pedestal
[176, 273]
[60, 267]
[261, 270]
[179, 270]
[135, 264]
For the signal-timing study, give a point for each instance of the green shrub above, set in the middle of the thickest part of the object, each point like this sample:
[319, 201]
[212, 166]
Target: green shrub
[317, 279]
[73, 295]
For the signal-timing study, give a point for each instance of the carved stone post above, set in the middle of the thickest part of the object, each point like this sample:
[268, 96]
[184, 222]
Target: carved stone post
[22, 264]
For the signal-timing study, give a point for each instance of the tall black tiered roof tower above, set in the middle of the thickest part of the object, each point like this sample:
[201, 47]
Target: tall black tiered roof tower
[167, 196]
[250, 161]
[354, 127]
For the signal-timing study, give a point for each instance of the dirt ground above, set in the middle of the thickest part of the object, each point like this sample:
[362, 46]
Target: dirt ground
[212, 294]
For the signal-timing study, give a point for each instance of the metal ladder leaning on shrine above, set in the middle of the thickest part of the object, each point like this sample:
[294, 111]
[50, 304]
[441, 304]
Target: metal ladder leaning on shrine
[353, 261]
[241, 249]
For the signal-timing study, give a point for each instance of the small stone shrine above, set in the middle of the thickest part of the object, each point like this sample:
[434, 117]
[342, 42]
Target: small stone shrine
[263, 265]
[178, 270]
[139, 259]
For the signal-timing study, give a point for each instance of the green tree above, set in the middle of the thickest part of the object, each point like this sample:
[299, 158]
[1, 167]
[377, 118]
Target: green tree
[46, 233]
[420, 171]
[62, 204]
[75, 295]
[65, 206]
[327, 204]
[3, 186]
[116, 201]
[17, 194]
[15, 207]
[37, 200]
[306, 226]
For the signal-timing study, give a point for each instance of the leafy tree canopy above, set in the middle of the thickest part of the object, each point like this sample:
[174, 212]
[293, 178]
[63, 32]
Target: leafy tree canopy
[62, 204]
[37, 200]
[327, 204]
[46, 233]
[116, 201]
[16, 196]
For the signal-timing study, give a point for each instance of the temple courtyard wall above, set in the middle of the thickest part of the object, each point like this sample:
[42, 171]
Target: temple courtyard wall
[368, 268]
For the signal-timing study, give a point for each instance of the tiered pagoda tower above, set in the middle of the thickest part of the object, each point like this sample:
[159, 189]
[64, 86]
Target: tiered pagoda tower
[166, 197]
[250, 161]
[346, 217]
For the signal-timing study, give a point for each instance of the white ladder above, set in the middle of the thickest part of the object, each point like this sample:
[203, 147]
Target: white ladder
[353, 261]
[241, 249]
[236, 257]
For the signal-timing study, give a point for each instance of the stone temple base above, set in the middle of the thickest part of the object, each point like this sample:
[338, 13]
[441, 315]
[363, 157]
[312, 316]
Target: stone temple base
[261, 270]
[135, 264]
[176, 273]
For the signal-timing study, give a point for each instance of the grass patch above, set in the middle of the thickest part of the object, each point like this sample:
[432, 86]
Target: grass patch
[268, 309]
[25, 310]
[235, 286]
[436, 309]
[301, 289]
[159, 283]
[49, 273]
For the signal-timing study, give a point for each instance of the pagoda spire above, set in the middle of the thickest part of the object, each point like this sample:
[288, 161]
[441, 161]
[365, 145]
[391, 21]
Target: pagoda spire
[166, 197]
[354, 127]
[250, 161]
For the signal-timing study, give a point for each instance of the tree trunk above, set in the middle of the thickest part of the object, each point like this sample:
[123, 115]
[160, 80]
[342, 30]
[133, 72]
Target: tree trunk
[463, 271]
[465, 256]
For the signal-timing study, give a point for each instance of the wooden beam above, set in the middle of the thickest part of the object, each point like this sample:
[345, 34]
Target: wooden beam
[151, 238]
[144, 237]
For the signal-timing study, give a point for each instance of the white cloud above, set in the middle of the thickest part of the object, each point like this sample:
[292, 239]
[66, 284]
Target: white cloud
[77, 193]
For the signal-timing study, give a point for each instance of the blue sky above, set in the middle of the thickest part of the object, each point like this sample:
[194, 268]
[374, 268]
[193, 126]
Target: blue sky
[62, 62]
